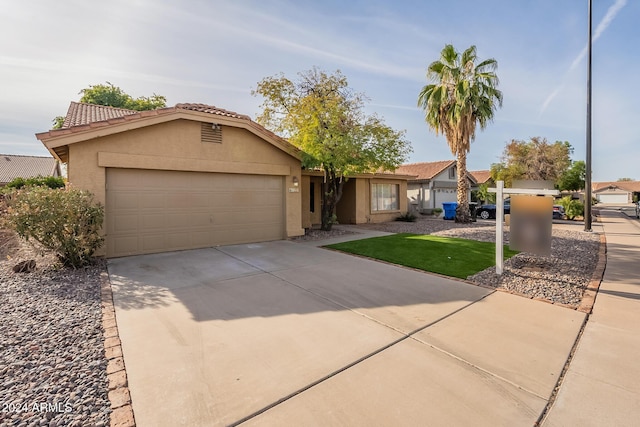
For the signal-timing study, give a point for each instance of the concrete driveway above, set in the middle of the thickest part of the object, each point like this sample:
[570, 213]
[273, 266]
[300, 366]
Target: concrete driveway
[283, 333]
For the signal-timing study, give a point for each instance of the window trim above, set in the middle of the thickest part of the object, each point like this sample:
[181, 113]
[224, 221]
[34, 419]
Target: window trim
[453, 173]
[375, 198]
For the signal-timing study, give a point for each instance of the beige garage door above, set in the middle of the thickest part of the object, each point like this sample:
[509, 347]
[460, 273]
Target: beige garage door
[151, 211]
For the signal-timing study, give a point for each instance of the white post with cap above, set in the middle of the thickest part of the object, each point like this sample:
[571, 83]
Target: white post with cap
[500, 192]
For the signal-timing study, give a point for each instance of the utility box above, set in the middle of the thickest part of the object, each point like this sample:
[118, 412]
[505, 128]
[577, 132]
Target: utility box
[531, 220]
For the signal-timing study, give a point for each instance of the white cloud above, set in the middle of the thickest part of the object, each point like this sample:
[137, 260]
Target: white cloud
[602, 26]
[600, 29]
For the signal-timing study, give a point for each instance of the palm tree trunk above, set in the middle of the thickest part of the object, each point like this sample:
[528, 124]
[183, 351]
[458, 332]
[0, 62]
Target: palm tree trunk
[462, 211]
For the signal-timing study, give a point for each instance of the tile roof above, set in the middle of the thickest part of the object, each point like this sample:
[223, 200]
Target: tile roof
[481, 177]
[425, 170]
[204, 108]
[14, 166]
[631, 186]
[80, 114]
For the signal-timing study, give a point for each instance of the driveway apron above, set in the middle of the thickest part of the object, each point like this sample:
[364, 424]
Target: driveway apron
[282, 333]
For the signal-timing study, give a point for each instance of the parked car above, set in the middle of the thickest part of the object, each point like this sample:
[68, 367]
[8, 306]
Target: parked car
[489, 211]
[558, 212]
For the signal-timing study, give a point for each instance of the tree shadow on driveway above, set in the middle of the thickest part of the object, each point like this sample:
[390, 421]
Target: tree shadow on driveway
[280, 278]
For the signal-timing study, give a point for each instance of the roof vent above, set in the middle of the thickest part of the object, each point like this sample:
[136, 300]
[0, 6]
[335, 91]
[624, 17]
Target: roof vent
[211, 133]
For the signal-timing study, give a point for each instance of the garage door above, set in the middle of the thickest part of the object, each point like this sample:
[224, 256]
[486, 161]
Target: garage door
[151, 211]
[622, 198]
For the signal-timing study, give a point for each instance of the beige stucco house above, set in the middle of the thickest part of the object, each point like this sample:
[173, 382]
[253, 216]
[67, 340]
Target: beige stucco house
[619, 192]
[433, 183]
[366, 198]
[195, 175]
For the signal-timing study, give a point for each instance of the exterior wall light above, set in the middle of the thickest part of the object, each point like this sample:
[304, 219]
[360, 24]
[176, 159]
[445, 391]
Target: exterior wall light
[295, 181]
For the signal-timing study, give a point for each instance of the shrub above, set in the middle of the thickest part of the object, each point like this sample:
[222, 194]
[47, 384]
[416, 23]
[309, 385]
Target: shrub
[572, 208]
[65, 221]
[38, 181]
[407, 217]
[437, 211]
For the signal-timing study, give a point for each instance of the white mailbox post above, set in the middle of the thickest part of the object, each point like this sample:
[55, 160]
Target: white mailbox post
[500, 192]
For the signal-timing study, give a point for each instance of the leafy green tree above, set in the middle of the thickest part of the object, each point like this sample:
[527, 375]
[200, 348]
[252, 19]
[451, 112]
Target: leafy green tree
[535, 159]
[112, 96]
[464, 94]
[573, 178]
[625, 179]
[39, 181]
[572, 208]
[322, 116]
[58, 122]
[483, 194]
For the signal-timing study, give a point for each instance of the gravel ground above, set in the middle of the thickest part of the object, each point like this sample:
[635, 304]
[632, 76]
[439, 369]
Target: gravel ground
[317, 234]
[561, 277]
[52, 364]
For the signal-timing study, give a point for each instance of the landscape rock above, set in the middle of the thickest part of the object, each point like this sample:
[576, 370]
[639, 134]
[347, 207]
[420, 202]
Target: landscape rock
[52, 363]
[25, 266]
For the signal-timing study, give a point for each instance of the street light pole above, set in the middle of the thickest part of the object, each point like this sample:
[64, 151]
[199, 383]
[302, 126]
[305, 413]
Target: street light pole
[587, 182]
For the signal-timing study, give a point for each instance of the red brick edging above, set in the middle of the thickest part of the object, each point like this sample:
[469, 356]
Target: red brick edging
[122, 412]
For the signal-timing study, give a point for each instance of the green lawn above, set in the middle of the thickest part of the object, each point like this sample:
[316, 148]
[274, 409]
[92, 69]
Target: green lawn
[443, 255]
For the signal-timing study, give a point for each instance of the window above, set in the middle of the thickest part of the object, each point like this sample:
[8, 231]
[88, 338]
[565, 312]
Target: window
[384, 197]
[452, 173]
[312, 198]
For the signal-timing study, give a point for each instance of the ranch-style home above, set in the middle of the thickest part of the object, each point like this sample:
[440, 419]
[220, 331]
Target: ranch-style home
[195, 175]
[482, 177]
[433, 183]
[619, 192]
[14, 166]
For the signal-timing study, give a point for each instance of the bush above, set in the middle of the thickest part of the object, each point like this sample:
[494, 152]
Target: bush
[572, 208]
[437, 211]
[65, 221]
[407, 217]
[38, 181]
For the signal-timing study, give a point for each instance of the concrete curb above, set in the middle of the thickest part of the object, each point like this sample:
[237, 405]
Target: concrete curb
[119, 396]
[589, 297]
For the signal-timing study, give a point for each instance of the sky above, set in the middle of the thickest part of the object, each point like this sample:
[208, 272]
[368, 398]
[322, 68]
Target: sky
[215, 52]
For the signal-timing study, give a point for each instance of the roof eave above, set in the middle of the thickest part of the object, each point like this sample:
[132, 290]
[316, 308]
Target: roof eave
[58, 138]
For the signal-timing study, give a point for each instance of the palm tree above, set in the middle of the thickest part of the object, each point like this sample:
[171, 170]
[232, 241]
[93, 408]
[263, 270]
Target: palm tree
[463, 94]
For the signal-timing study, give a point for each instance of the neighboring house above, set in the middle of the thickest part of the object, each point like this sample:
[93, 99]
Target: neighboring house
[195, 175]
[14, 166]
[482, 177]
[615, 192]
[434, 183]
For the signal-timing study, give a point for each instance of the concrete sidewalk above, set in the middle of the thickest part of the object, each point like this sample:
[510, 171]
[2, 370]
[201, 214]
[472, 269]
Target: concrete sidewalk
[602, 384]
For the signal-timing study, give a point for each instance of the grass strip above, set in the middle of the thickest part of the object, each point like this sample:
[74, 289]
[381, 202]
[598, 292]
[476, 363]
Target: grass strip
[449, 256]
